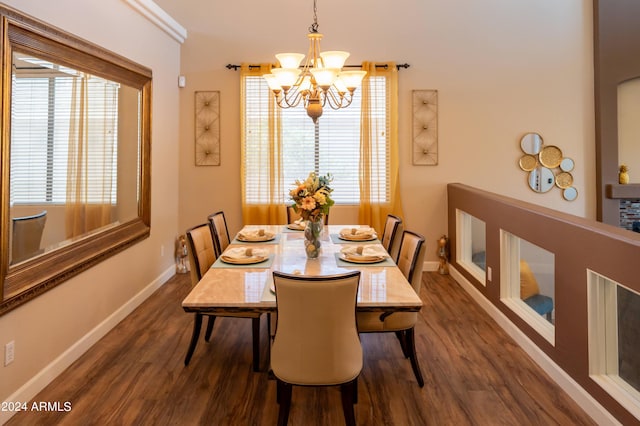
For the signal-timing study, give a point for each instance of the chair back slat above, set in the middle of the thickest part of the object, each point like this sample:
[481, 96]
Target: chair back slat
[201, 251]
[390, 232]
[411, 248]
[220, 232]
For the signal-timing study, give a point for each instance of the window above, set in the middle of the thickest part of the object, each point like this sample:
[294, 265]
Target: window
[613, 312]
[332, 146]
[471, 253]
[40, 137]
[528, 283]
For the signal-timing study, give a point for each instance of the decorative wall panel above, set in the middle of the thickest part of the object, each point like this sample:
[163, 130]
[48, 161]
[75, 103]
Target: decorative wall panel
[207, 131]
[425, 127]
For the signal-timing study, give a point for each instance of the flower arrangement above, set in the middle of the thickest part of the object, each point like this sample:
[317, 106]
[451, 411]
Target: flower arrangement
[312, 197]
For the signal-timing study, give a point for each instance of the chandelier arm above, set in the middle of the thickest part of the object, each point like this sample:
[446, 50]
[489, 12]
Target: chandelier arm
[290, 99]
[336, 101]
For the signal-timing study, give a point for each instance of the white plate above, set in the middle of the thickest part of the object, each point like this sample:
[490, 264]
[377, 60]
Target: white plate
[295, 227]
[266, 237]
[243, 260]
[354, 258]
[357, 237]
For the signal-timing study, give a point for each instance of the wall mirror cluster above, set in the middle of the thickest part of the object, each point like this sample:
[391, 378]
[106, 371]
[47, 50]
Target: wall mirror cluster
[75, 156]
[546, 166]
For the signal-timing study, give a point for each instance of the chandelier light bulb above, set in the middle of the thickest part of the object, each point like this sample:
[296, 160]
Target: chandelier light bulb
[325, 76]
[334, 58]
[272, 81]
[340, 85]
[352, 79]
[290, 60]
[286, 76]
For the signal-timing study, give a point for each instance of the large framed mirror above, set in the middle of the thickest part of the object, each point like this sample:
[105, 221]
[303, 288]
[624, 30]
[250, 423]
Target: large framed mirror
[75, 169]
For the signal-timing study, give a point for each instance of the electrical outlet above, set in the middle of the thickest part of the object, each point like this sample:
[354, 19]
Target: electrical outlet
[162, 251]
[9, 352]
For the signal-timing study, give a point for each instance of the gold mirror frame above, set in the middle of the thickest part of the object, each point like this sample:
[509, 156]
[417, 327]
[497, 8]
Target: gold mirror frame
[39, 274]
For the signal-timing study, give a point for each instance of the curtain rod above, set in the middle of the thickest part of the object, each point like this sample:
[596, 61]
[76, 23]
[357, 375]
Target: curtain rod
[398, 66]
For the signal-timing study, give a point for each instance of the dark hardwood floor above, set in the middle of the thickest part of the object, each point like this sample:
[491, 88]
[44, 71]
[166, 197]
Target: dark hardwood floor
[474, 374]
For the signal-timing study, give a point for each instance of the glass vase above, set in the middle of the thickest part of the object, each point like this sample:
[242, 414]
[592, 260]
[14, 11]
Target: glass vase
[312, 232]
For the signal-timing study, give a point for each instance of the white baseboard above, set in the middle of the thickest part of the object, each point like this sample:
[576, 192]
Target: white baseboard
[592, 407]
[430, 266]
[38, 382]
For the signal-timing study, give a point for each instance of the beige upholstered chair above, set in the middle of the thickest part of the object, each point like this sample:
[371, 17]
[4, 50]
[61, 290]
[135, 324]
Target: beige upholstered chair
[202, 255]
[390, 233]
[292, 216]
[410, 259]
[26, 236]
[316, 341]
[220, 232]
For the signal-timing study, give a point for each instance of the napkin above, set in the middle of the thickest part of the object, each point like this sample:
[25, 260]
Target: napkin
[364, 252]
[299, 224]
[363, 232]
[244, 253]
[255, 235]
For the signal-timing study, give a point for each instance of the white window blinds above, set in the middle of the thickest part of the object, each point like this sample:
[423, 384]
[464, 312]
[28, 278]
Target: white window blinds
[41, 113]
[336, 152]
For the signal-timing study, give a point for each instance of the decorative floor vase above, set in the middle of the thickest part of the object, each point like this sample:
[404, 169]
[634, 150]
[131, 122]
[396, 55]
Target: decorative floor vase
[312, 233]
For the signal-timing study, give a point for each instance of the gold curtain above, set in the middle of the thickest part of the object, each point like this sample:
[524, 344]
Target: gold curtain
[373, 209]
[271, 211]
[81, 213]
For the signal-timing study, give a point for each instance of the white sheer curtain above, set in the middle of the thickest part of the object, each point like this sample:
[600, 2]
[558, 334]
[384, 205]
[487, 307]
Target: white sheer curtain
[92, 155]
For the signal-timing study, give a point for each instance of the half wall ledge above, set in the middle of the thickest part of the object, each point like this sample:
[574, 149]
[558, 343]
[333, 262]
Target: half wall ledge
[628, 191]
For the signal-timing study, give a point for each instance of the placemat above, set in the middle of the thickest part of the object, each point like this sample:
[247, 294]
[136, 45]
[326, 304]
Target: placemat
[343, 263]
[264, 264]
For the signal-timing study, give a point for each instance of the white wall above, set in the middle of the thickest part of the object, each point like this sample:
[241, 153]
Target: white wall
[53, 329]
[502, 68]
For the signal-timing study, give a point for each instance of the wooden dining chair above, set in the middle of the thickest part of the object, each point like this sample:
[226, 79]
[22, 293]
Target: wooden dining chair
[390, 232]
[202, 255]
[409, 261]
[26, 236]
[220, 232]
[316, 341]
[292, 216]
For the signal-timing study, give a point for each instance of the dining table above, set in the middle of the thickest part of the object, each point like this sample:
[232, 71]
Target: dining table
[238, 285]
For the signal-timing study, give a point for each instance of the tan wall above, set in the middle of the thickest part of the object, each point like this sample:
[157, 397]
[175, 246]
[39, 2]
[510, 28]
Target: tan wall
[52, 325]
[501, 68]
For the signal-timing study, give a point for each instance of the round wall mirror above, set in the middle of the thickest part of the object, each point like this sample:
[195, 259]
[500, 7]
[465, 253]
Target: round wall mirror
[570, 193]
[531, 143]
[541, 179]
[566, 165]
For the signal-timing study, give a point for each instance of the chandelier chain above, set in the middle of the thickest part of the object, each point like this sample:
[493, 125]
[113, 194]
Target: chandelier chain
[314, 27]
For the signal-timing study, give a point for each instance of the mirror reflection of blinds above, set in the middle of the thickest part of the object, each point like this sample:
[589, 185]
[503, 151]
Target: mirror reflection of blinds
[40, 130]
[337, 151]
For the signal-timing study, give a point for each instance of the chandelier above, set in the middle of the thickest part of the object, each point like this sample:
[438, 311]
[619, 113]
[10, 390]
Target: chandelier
[319, 82]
